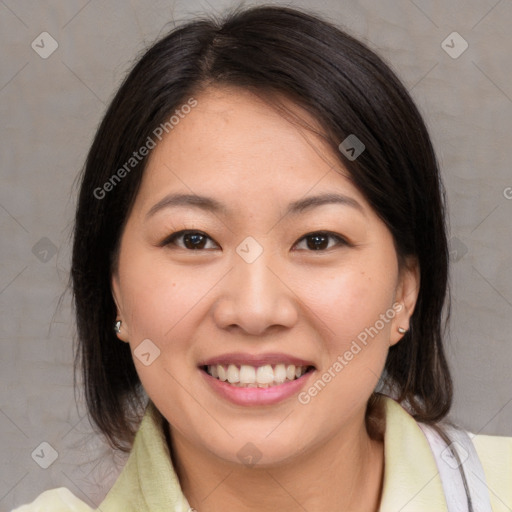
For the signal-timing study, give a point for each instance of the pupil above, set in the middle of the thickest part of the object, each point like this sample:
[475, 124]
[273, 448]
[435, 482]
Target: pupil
[194, 238]
[316, 239]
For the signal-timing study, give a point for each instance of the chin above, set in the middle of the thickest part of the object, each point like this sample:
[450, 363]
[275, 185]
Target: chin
[258, 452]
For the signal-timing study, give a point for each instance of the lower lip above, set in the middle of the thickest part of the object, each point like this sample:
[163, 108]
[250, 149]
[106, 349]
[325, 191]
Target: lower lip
[256, 396]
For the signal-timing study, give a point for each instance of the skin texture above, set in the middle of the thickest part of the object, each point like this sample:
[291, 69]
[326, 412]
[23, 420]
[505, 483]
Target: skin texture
[197, 304]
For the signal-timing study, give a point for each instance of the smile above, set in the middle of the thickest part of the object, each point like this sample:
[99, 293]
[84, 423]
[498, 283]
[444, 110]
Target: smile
[248, 376]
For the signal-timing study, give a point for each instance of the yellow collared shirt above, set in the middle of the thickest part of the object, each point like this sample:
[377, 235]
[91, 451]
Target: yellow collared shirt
[148, 482]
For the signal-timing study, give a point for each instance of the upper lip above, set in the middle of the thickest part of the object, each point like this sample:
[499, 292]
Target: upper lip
[239, 358]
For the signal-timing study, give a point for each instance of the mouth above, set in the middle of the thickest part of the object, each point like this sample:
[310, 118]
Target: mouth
[263, 376]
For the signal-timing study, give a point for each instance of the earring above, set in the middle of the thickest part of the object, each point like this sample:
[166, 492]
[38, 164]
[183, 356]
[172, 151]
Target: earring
[401, 330]
[117, 326]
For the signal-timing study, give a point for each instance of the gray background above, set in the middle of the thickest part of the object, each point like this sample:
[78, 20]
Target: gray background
[49, 111]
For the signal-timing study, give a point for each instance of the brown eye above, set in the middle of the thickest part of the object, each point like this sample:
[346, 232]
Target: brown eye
[319, 241]
[192, 240]
[197, 240]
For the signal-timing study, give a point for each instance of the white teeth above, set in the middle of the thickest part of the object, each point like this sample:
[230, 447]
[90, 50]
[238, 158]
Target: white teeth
[222, 372]
[280, 373]
[265, 374]
[233, 374]
[248, 376]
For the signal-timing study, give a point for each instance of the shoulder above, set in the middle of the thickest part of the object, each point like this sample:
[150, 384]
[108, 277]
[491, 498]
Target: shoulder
[55, 500]
[496, 447]
[495, 453]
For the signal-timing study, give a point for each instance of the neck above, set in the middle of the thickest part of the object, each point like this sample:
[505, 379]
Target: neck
[343, 473]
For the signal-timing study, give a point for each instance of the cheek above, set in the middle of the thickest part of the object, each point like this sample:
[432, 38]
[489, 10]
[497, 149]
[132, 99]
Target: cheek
[349, 310]
[162, 305]
[353, 310]
[350, 300]
[158, 294]
[166, 304]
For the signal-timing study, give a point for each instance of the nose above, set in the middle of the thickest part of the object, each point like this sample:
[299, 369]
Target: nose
[255, 298]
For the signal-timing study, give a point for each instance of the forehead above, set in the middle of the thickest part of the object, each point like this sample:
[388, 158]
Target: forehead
[233, 144]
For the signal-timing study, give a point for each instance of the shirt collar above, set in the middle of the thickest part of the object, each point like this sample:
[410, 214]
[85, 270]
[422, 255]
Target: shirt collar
[411, 478]
[149, 483]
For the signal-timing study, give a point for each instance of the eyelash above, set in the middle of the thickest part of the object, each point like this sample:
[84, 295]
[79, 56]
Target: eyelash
[178, 234]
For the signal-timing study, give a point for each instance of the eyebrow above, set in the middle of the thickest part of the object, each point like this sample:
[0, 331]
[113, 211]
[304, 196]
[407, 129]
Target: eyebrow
[209, 204]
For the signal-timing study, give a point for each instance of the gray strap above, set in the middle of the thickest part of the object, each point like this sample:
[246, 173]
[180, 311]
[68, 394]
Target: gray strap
[451, 475]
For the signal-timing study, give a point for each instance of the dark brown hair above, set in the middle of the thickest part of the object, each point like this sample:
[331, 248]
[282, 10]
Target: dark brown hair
[348, 89]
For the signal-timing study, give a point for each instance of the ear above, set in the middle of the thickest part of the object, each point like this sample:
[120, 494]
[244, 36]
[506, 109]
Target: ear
[406, 296]
[124, 334]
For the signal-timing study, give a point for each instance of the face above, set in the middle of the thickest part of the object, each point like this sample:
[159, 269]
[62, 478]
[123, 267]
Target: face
[296, 299]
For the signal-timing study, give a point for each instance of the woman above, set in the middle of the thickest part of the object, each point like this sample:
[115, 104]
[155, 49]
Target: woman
[260, 268]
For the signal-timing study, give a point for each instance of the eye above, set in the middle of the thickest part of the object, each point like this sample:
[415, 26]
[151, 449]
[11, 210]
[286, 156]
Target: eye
[192, 240]
[197, 240]
[319, 241]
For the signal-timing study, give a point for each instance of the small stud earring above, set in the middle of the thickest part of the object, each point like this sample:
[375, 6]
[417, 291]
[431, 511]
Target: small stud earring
[401, 330]
[117, 326]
